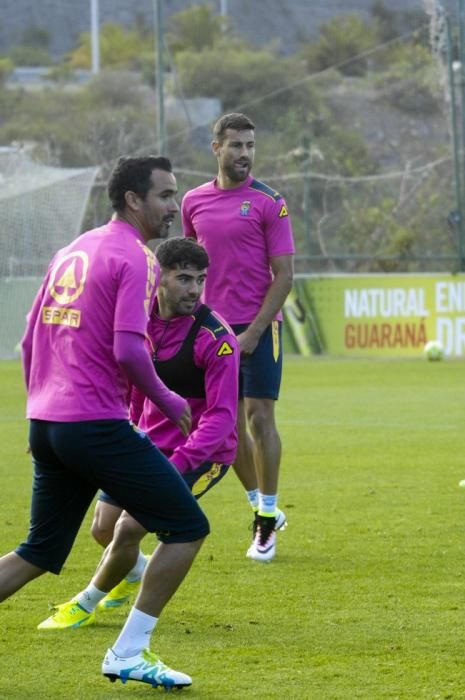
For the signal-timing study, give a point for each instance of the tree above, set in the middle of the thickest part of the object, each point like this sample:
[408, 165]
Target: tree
[195, 29]
[243, 78]
[391, 23]
[341, 44]
[91, 126]
[409, 80]
[6, 67]
[33, 49]
[119, 48]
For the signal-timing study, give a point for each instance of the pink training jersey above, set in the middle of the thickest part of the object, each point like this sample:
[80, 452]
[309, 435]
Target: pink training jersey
[241, 229]
[103, 282]
[213, 435]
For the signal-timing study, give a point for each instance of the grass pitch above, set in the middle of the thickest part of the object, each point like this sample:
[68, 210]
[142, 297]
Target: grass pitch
[365, 596]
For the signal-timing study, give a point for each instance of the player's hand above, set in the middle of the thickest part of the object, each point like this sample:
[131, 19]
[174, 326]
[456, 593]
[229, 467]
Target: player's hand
[248, 341]
[184, 423]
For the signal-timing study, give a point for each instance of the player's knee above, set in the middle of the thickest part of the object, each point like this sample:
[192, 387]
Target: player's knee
[261, 422]
[102, 534]
[103, 523]
[128, 532]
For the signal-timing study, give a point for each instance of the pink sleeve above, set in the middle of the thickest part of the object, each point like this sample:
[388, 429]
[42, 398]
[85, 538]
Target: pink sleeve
[26, 342]
[136, 405]
[219, 418]
[278, 229]
[131, 353]
[187, 227]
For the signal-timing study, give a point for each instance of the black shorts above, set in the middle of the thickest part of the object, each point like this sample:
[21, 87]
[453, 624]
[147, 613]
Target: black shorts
[73, 460]
[260, 373]
[199, 480]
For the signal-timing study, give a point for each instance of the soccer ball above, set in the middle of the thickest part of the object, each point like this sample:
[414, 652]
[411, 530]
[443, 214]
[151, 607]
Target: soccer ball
[433, 350]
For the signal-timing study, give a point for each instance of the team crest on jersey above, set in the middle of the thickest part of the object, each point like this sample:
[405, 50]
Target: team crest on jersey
[245, 207]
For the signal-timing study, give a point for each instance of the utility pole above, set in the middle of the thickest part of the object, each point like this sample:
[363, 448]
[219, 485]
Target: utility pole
[94, 35]
[456, 220]
[224, 15]
[461, 179]
[306, 164]
[303, 155]
[161, 138]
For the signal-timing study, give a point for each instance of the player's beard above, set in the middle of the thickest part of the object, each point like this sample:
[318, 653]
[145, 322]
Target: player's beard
[165, 227]
[235, 175]
[184, 307]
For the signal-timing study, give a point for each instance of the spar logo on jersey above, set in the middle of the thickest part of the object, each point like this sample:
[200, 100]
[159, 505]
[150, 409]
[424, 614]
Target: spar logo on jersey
[68, 277]
[66, 284]
[245, 207]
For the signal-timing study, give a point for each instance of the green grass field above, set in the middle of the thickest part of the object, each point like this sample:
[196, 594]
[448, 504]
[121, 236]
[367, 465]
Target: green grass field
[365, 597]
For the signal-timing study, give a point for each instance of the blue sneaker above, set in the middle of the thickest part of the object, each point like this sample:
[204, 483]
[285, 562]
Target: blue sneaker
[145, 667]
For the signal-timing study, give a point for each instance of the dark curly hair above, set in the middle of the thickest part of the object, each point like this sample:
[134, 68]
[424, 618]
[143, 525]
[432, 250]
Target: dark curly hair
[133, 175]
[181, 252]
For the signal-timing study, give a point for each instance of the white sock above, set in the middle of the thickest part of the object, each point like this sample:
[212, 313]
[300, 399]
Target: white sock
[252, 497]
[136, 572]
[135, 634]
[267, 504]
[90, 597]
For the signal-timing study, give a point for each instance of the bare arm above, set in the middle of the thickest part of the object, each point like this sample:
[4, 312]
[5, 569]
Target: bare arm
[283, 273]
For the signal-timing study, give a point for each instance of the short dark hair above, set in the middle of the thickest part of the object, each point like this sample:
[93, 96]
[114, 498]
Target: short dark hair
[133, 175]
[235, 120]
[181, 252]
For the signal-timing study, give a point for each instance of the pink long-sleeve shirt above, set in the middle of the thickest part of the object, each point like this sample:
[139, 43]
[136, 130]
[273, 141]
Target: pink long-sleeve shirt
[214, 434]
[100, 285]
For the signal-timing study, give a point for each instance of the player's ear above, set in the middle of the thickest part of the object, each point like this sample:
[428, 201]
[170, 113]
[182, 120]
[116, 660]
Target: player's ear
[163, 280]
[132, 200]
[215, 145]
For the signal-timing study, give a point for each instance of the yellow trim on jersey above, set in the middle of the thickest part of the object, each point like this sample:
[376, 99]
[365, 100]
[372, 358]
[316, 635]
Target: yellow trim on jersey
[265, 193]
[209, 331]
[275, 335]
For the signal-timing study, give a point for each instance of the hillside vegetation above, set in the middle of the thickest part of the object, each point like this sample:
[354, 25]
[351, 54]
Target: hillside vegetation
[353, 128]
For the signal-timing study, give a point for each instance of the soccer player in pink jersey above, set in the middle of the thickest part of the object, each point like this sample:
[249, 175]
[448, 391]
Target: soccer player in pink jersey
[197, 354]
[245, 227]
[84, 346]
